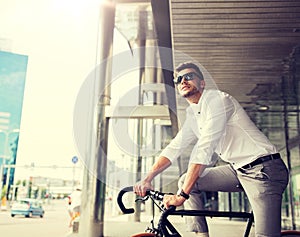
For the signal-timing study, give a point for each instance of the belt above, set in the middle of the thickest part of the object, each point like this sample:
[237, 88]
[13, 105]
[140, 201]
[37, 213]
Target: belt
[261, 160]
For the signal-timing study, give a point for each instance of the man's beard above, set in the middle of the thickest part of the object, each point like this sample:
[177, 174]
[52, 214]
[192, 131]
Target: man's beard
[190, 93]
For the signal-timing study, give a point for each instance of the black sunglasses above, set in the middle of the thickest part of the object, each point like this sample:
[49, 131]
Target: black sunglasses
[188, 76]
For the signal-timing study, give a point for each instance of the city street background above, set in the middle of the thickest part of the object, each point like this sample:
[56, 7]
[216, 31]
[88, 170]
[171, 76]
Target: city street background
[56, 220]
[54, 223]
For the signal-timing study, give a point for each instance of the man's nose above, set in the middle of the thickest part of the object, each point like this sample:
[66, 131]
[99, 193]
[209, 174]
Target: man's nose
[183, 80]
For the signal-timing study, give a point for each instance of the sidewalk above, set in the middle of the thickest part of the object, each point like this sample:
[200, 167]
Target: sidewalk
[219, 227]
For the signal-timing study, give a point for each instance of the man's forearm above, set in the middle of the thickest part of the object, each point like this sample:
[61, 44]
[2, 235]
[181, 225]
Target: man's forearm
[160, 165]
[192, 175]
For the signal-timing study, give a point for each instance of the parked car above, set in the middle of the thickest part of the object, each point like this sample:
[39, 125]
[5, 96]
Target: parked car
[28, 208]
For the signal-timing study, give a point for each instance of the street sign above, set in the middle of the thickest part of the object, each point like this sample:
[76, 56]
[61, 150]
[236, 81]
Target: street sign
[74, 159]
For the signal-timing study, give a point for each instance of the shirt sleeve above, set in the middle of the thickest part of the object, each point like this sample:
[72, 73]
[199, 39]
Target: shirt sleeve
[183, 138]
[216, 110]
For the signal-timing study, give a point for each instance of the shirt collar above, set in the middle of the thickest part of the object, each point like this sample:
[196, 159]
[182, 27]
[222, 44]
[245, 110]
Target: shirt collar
[196, 108]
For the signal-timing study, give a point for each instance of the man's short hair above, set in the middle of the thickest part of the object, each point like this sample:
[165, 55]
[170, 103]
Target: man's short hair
[186, 65]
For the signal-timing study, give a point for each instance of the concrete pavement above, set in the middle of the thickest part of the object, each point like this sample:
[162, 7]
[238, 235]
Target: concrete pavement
[55, 224]
[219, 227]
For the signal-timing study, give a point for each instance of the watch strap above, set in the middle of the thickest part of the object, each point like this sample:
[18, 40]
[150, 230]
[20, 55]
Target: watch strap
[183, 194]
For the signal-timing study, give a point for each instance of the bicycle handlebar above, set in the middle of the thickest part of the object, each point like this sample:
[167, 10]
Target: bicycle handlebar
[164, 225]
[120, 201]
[150, 193]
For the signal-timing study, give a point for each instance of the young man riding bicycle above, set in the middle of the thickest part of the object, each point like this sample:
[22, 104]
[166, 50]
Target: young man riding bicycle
[218, 124]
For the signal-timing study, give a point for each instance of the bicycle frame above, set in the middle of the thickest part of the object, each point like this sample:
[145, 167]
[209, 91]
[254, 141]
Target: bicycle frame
[165, 227]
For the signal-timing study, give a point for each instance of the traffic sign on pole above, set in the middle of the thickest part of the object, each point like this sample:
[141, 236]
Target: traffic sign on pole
[74, 159]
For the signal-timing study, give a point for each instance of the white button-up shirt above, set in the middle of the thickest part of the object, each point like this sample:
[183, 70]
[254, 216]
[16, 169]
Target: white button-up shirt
[219, 124]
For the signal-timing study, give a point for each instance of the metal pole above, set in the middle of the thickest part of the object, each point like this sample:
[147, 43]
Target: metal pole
[288, 154]
[93, 199]
[230, 203]
[73, 181]
[7, 181]
[161, 17]
[142, 43]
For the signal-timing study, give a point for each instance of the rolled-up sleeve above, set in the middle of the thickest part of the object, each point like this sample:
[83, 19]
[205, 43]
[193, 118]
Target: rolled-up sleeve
[183, 138]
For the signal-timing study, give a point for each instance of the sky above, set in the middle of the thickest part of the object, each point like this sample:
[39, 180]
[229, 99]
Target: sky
[60, 39]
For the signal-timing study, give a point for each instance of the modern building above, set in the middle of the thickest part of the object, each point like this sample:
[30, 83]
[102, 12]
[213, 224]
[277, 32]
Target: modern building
[13, 69]
[249, 49]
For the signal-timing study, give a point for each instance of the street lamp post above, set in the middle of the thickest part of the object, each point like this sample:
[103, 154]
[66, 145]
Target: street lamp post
[74, 161]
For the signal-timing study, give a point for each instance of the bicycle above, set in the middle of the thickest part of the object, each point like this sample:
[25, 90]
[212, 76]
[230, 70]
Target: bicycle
[165, 228]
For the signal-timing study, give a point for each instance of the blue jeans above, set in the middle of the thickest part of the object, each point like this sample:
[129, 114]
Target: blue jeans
[263, 185]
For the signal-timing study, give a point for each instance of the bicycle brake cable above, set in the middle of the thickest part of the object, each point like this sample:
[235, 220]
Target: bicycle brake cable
[141, 199]
[155, 203]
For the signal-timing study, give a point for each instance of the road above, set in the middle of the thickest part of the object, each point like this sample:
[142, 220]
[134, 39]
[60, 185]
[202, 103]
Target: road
[56, 220]
[53, 224]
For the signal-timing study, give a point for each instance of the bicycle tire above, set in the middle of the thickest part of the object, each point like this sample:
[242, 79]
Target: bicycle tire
[144, 235]
[290, 233]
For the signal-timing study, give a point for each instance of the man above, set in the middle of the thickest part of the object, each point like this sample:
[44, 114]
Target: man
[219, 124]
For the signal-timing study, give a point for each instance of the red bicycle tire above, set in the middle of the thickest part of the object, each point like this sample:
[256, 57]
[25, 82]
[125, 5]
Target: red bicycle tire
[144, 235]
[291, 233]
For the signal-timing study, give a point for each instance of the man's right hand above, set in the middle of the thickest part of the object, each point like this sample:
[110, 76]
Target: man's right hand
[160, 165]
[141, 187]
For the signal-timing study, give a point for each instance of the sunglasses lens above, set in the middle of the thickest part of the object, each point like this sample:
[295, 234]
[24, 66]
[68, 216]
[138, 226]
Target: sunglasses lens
[178, 79]
[188, 77]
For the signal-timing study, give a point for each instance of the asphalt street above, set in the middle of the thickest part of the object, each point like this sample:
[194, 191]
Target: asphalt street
[56, 220]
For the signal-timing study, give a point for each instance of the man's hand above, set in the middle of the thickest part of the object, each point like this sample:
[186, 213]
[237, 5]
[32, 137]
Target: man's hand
[173, 200]
[141, 187]
[160, 165]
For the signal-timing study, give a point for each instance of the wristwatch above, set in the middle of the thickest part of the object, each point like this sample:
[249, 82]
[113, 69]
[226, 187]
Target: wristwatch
[183, 194]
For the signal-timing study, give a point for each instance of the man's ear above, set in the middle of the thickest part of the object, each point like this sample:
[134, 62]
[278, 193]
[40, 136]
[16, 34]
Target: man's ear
[202, 84]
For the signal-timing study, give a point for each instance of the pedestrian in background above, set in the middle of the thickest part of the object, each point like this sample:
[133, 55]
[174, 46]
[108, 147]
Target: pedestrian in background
[74, 205]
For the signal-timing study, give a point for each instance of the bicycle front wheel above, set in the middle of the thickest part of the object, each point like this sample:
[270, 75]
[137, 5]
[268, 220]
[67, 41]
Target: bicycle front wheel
[144, 235]
[290, 233]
